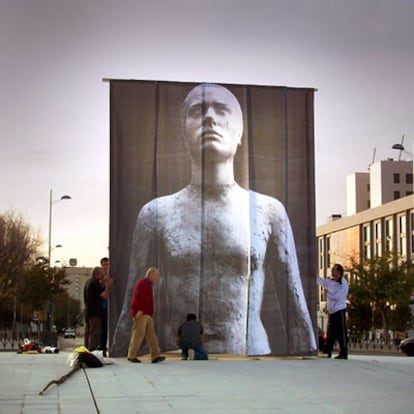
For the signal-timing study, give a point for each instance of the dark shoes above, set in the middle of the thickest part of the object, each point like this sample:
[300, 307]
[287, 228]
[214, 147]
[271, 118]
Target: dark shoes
[158, 359]
[154, 361]
[329, 356]
[134, 360]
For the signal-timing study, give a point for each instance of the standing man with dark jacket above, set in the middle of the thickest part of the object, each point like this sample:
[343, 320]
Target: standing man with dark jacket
[95, 291]
[105, 305]
[337, 292]
[142, 310]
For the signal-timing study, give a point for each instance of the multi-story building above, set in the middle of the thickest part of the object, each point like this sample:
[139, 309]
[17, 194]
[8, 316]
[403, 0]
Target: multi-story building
[380, 208]
[357, 193]
[77, 276]
[367, 234]
[385, 181]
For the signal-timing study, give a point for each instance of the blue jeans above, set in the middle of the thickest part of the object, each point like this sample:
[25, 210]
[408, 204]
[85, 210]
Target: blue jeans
[199, 352]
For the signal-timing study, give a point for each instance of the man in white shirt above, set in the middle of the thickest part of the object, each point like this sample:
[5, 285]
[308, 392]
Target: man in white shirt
[337, 292]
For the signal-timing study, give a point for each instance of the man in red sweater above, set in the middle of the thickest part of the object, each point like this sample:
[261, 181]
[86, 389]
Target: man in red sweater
[142, 309]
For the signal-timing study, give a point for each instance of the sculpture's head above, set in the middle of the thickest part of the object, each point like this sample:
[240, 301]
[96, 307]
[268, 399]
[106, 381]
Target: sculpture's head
[212, 120]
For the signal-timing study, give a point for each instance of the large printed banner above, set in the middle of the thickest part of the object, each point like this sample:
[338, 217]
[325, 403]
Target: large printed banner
[214, 185]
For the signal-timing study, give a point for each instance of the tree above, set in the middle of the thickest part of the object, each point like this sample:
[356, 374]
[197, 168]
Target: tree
[40, 283]
[18, 247]
[359, 316]
[67, 311]
[382, 285]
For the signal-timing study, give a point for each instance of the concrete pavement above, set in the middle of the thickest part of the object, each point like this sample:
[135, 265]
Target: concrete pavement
[363, 384]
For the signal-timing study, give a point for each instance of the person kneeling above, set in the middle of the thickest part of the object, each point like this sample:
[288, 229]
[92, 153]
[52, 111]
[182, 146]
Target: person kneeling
[190, 338]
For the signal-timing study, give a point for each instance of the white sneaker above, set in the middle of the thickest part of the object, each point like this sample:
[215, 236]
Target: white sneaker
[191, 354]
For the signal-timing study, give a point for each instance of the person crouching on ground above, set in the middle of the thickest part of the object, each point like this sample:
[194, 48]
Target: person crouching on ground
[190, 337]
[142, 310]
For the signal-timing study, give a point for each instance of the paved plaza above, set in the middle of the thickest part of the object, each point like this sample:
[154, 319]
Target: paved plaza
[363, 384]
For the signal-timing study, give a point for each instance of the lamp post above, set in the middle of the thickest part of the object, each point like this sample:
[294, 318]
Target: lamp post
[51, 201]
[401, 148]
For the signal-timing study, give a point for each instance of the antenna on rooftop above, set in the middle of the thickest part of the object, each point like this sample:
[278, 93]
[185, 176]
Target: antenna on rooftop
[374, 153]
[402, 148]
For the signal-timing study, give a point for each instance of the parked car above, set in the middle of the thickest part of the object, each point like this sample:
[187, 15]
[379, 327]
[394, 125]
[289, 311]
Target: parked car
[69, 333]
[407, 346]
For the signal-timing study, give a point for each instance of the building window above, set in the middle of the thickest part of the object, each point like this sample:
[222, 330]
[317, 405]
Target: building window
[409, 178]
[408, 193]
[328, 252]
[396, 178]
[412, 247]
[368, 187]
[397, 195]
[411, 231]
[321, 254]
[378, 239]
[322, 295]
[366, 241]
[402, 236]
[388, 235]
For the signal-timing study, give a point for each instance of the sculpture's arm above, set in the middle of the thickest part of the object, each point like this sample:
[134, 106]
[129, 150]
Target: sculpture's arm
[301, 333]
[142, 256]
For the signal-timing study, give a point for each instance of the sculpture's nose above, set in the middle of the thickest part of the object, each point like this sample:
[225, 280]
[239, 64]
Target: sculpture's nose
[209, 116]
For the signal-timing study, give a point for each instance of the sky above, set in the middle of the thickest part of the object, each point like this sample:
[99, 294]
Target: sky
[54, 104]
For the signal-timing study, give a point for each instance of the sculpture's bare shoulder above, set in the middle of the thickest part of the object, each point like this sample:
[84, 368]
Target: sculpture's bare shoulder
[162, 207]
[268, 208]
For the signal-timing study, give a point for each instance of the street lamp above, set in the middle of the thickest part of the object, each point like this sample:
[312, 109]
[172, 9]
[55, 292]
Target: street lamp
[51, 201]
[400, 147]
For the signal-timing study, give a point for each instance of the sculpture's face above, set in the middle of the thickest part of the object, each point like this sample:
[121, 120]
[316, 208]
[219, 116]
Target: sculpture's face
[213, 121]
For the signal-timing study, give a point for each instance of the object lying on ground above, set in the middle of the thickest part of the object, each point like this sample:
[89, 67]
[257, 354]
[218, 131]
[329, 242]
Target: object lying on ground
[79, 358]
[29, 346]
[32, 347]
[50, 350]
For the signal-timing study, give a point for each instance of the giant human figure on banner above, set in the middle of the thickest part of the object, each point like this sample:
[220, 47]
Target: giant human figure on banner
[213, 239]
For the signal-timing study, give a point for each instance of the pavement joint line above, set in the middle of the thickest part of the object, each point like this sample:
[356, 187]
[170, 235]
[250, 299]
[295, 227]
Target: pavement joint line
[91, 390]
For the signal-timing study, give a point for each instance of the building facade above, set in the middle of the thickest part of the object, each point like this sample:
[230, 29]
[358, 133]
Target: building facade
[390, 180]
[370, 233]
[78, 277]
[385, 181]
[364, 235]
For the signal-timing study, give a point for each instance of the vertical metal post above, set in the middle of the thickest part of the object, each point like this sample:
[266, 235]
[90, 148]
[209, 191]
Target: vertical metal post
[50, 228]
